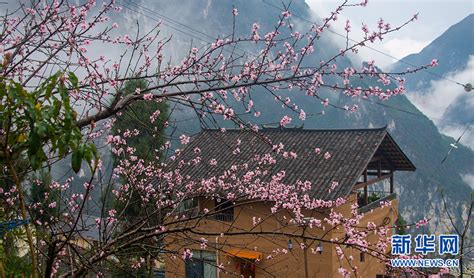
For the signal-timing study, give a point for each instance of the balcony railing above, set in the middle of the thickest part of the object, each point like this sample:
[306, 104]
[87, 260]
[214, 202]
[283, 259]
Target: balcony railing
[375, 198]
[194, 212]
[225, 217]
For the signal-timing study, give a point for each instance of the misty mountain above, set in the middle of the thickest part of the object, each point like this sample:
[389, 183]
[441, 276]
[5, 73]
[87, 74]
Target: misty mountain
[452, 49]
[461, 109]
[416, 133]
[455, 51]
[201, 20]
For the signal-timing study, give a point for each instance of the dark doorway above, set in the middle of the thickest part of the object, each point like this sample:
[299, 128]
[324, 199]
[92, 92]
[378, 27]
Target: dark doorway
[247, 270]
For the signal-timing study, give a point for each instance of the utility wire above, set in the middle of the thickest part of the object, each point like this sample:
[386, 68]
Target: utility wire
[170, 19]
[168, 25]
[455, 145]
[173, 21]
[369, 47]
[465, 86]
[210, 39]
[413, 113]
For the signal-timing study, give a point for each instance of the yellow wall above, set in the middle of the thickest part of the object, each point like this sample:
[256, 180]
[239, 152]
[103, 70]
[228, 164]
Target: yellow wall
[291, 264]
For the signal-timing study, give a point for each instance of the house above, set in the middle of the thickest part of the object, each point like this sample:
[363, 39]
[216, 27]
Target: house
[362, 161]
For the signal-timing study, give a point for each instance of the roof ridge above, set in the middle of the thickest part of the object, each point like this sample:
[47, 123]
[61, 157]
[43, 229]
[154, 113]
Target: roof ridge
[300, 129]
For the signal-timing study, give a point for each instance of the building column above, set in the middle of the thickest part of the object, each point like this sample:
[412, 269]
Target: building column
[391, 181]
[366, 193]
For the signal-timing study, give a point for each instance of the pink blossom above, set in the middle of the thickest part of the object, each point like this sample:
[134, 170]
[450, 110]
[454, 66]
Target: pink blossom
[434, 63]
[203, 243]
[187, 254]
[255, 36]
[325, 102]
[348, 26]
[285, 120]
[423, 222]
[155, 116]
[302, 115]
[286, 14]
[256, 220]
[148, 96]
[184, 139]
[334, 184]
[228, 113]
[327, 155]
[112, 212]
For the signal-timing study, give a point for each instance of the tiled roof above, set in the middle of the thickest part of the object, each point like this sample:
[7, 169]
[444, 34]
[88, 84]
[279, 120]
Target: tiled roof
[351, 151]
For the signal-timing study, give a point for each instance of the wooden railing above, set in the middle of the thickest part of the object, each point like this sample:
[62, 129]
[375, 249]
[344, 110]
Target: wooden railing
[225, 217]
[375, 200]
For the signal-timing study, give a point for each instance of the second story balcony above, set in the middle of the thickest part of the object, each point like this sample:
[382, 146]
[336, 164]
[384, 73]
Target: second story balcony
[374, 199]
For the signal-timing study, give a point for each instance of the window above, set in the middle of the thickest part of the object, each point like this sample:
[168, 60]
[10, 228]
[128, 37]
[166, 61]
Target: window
[224, 209]
[362, 256]
[201, 265]
[189, 207]
[189, 204]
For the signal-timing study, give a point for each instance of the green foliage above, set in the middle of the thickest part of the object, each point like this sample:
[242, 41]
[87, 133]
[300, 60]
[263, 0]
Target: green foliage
[42, 121]
[151, 137]
[373, 197]
[14, 265]
[137, 116]
[401, 225]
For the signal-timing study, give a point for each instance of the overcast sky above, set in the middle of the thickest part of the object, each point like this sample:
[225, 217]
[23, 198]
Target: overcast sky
[435, 17]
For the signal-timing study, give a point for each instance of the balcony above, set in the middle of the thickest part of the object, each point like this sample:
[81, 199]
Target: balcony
[373, 200]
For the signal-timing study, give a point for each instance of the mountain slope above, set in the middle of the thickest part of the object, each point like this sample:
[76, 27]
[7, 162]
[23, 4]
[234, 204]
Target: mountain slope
[452, 49]
[417, 135]
[437, 92]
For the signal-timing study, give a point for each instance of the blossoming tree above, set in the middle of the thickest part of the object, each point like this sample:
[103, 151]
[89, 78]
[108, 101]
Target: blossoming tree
[59, 101]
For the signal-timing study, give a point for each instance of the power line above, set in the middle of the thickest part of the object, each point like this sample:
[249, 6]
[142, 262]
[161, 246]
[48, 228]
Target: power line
[170, 26]
[455, 145]
[173, 21]
[169, 19]
[465, 86]
[412, 113]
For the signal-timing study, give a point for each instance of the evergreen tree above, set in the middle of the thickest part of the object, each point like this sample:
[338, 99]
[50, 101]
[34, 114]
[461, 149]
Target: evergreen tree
[151, 138]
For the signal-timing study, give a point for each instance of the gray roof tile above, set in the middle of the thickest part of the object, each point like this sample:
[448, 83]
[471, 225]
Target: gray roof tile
[351, 150]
